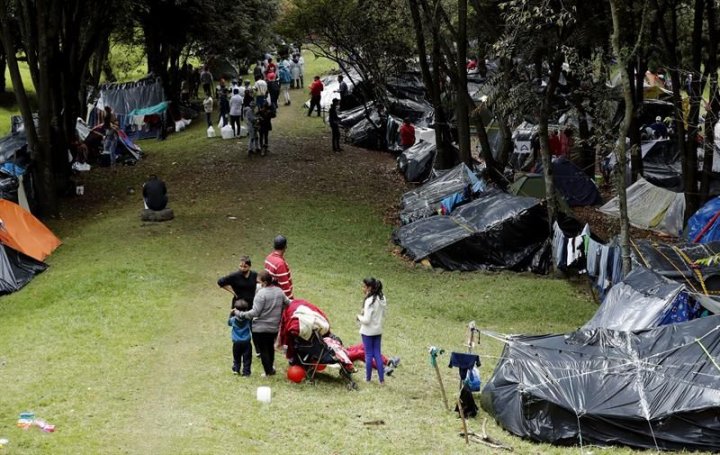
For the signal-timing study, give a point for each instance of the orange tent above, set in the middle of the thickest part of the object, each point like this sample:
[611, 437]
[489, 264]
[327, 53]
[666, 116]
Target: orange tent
[20, 230]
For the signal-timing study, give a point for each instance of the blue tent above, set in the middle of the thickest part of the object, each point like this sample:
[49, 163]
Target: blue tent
[577, 188]
[704, 226]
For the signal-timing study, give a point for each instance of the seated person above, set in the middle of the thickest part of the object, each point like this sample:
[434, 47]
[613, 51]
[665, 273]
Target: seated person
[155, 194]
[659, 129]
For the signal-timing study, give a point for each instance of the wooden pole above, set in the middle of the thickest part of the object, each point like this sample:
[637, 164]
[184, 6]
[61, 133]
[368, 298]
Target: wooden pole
[434, 352]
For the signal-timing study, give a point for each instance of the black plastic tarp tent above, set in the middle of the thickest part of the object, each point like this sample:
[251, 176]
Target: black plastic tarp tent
[655, 389]
[416, 163]
[575, 186]
[16, 269]
[425, 200]
[495, 231]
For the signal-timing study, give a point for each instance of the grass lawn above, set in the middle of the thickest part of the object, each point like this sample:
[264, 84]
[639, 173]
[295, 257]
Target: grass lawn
[123, 344]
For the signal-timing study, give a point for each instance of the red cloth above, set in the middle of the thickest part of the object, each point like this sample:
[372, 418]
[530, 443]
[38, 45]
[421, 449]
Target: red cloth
[270, 76]
[357, 352]
[276, 265]
[289, 326]
[316, 88]
[271, 68]
[407, 134]
[555, 147]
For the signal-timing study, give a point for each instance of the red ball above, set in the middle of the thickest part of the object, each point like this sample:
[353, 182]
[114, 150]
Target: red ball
[296, 373]
[321, 367]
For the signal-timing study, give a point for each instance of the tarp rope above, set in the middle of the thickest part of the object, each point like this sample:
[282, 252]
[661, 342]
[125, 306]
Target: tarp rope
[690, 284]
[694, 268]
[697, 340]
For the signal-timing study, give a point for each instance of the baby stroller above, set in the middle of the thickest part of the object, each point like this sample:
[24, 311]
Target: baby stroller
[305, 330]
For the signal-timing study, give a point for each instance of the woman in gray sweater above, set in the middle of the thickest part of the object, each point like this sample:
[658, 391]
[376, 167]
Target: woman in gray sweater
[265, 314]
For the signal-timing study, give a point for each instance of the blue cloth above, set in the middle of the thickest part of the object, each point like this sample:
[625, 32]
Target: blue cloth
[683, 309]
[464, 361]
[13, 169]
[593, 257]
[240, 329]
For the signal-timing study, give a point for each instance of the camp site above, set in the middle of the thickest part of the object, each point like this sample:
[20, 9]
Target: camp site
[387, 227]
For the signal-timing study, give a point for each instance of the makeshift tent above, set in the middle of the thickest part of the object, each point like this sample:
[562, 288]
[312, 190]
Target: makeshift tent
[655, 389]
[416, 163]
[124, 98]
[651, 207]
[641, 301]
[23, 232]
[427, 200]
[678, 262]
[16, 269]
[495, 231]
[704, 225]
[661, 164]
[575, 186]
[533, 185]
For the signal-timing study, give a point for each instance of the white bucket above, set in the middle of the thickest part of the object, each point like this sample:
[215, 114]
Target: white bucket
[264, 395]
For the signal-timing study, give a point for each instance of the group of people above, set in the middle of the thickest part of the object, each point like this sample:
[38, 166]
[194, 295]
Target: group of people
[258, 301]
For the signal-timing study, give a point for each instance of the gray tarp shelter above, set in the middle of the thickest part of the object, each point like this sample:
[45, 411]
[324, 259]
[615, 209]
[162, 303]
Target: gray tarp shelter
[655, 389]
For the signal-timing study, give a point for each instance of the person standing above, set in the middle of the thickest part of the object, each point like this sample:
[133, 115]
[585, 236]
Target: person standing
[265, 314]
[208, 108]
[242, 283]
[334, 120]
[265, 116]
[260, 89]
[224, 105]
[285, 79]
[249, 113]
[407, 134]
[270, 67]
[316, 89]
[155, 194]
[278, 267]
[236, 107]
[296, 69]
[240, 334]
[301, 66]
[342, 91]
[273, 89]
[371, 321]
[206, 79]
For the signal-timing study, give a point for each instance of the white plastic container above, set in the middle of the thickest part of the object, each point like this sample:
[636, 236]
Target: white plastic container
[264, 394]
[227, 132]
[211, 131]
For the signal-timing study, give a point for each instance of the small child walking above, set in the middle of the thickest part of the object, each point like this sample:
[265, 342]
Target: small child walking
[240, 333]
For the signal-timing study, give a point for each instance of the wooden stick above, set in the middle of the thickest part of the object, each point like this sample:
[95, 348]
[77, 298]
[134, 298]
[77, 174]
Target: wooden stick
[442, 387]
[462, 416]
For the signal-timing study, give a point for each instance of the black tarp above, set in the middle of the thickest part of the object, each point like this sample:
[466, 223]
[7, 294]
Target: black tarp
[655, 389]
[677, 262]
[416, 163]
[661, 165]
[16, 269]
[575, 186]
[495, 231]
[425, 200]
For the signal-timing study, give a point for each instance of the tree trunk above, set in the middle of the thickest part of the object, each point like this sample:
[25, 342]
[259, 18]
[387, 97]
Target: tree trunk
[461, 106]
[621, 151]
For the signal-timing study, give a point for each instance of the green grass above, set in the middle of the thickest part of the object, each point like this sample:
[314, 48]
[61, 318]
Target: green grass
[123, 342]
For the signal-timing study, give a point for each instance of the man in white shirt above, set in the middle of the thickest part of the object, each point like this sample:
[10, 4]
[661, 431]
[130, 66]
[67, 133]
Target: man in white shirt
[236, 106]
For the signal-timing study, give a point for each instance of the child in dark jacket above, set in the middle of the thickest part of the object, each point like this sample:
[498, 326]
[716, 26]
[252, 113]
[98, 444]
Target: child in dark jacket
[242, 350]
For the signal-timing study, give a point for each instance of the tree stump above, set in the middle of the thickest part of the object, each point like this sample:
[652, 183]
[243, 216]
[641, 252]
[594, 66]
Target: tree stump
[165, 214]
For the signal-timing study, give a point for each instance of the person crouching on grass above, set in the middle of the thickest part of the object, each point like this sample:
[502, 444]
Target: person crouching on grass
[240, 333]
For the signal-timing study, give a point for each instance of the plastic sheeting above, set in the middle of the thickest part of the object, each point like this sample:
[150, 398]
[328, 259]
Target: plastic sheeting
[416, 163]
[495, 231]
[704, 225]
[651, 207]
[655, 389]
[123, 98]
[662, 165]
[13, 147]
[426, 200]
[575, 186]
[16, 269]
[638, 302]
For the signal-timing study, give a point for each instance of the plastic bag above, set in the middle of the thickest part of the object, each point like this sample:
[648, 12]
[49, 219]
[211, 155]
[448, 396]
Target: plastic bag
[210, 131]
[227, 132]
[472, 379]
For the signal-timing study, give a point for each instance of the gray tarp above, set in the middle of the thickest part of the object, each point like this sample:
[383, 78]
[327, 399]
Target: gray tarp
[651, 207]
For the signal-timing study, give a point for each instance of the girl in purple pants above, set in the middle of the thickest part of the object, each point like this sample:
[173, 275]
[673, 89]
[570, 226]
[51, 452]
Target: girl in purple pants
[371, 321]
